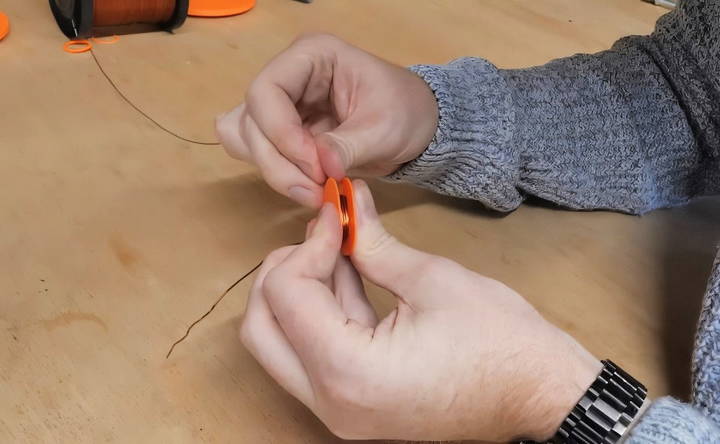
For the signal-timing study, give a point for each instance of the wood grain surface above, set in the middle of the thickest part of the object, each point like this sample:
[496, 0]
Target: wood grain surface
[114, 235]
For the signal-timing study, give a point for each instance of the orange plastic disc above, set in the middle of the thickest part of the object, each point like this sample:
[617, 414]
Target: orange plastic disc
[77, 46]
[106, 40]
[219, 8]
[342, 197]
[4, 25]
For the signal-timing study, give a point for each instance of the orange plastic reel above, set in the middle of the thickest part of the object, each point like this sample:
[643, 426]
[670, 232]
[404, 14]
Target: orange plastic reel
[342, 197]
[219, 8]
[4, 25]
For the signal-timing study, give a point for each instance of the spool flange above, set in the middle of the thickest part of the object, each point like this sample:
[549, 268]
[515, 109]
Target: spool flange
[342, 197]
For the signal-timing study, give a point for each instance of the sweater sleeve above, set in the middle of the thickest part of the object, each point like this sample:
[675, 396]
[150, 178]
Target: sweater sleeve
[630, 129]
[668, 421]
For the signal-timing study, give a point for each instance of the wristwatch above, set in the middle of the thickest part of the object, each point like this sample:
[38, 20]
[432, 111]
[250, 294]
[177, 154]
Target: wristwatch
[605, 412]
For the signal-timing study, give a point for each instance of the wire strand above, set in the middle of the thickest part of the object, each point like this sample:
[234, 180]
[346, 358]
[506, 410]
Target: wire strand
[207, 313]
[143, 113]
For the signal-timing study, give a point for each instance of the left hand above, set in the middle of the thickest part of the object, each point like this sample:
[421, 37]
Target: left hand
[461, 357]
[323, 107]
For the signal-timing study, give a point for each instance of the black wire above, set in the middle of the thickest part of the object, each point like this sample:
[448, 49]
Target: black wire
[115, 87]
[144, 114]
[190, 327]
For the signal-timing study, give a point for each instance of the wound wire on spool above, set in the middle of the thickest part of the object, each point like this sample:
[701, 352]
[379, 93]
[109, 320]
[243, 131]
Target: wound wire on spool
[86, 18]
[122, 12]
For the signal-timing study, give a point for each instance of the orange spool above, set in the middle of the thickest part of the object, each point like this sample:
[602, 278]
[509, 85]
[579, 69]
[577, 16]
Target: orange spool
[219, 8]
[86, 18]
[123, 12]
[4, 25]
[342, 197]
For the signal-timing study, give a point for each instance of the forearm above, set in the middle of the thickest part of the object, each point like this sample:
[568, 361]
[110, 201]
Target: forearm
[618, 130]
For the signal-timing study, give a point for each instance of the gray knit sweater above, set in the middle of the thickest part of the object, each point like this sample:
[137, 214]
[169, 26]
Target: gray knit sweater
[630, 129]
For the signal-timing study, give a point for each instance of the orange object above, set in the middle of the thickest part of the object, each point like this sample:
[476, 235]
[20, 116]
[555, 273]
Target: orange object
[123, 12]
[107, 40]
[341, 196]
[219, 8]
[4, 25]
[81, 19]
[77, 46]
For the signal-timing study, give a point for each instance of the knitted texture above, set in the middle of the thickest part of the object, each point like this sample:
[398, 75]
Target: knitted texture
[668, 421]
[706, 357]
[470, 155]
[630, 129]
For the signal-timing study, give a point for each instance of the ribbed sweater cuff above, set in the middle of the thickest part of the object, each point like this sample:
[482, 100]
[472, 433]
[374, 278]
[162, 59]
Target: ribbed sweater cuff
[470, 155]
[670, 421]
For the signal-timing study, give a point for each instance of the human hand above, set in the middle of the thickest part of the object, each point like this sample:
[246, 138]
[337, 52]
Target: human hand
[323, 107]
[461, 356]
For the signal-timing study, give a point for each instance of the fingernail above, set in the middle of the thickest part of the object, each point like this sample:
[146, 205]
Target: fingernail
[303, 196]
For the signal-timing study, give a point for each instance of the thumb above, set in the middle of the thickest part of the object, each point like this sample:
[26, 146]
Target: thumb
[303, 305]
[381, 258]
[346, 147]
[316, 257]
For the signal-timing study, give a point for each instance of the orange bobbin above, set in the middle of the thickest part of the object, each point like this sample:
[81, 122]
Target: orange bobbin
[77, 46]
[4, 25]
[341, 196]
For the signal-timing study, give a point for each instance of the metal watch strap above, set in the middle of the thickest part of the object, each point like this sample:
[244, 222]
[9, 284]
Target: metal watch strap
[605, 411]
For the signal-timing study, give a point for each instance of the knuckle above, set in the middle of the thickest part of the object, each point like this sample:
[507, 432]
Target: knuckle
[277, 256]
[274, 282]
[274, 180]
[254, 91]
[345, 146]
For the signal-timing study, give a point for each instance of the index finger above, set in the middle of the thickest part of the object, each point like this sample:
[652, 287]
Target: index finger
[272, 102]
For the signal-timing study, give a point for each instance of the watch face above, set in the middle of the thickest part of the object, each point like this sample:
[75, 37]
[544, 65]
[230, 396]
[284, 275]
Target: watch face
[67, 7]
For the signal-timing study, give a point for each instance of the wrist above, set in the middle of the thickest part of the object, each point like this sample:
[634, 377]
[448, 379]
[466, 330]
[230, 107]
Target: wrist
[559, 389]
[606, 411]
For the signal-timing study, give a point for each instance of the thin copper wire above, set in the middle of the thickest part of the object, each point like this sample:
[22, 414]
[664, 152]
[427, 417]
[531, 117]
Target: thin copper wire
[344, 217]
[124, 12]
[139, 110]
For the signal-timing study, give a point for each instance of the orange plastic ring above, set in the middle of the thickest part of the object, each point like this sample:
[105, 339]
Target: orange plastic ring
[342, 197]
[106, 40]
[77, 46]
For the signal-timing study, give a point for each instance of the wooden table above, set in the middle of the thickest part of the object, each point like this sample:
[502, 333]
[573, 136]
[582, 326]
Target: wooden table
[115, 235]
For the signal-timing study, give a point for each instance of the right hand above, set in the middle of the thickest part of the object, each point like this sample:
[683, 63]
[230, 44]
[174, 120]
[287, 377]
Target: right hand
[461, 356]
[322, 108]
